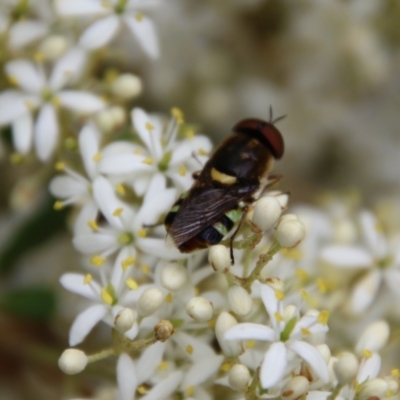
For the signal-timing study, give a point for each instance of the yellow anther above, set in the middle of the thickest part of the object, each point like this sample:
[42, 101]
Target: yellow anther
[250, 344]
[139, 17]
[145, 269]
[305, 331]
[162, 366]
[106, 4]
[138, 151]
[323, 317]
[142, 233]
[367, 353]
[12, 80]
[97, 157]
[87, 279]
[389, 393]
[142, 390]
[70, 143]
[395, 372]
[106, 297]
[304, 294]
[226, 367]
[211, 323]
[189, 133]
[182, 170]
[189, 349]
[322, 286]
[16, 158]
[149, 126]
[38, 57]
[148, 161]
[293, 254]
[279, 295]
[278, 317]
[131, 283]
[189, 391]
[120, 188]
[117, 212]
[178, 115]
[56, 102]
[29, 105]
[93, 225]
[60, 166]
[169, 298]
[97, 260]
[202, 152]
[58, 205]
[125, 264]
[301, 273]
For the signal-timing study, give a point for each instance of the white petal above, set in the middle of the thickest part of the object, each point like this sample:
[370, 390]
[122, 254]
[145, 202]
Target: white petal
[141, 183]
[108, 202]
[64, 187]
[81, 7]
[27, 75]
[75, 283]
[145, 33]
[22, 129]
[68, 68]
[89, 212]
[248, 330]
[133, 332]
[117, 164]
[313, 357]
[46, 132]
[85, 322]
[100, 33]
[318, 395]
[375, 240]
[347, 257]
[14, 104]
[164, 388]
[200, 348]
[126, 376]
[271, 303]
[184, 150]
[273, 366]
[157, 248]
[94, 243]
[201, 370]
[392, 279]
[89, 138]
[149, 360]
[81, 102]
[118, 275]
[365, 291]
[369, 368]
[25, 32]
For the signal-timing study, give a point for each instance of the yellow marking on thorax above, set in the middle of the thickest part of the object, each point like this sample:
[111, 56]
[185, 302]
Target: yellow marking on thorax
[222, 178]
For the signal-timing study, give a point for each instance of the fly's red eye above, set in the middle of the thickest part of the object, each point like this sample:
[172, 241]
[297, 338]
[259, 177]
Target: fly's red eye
[266, 131]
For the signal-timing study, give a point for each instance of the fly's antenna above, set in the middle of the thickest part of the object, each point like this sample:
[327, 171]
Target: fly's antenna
[271, 118]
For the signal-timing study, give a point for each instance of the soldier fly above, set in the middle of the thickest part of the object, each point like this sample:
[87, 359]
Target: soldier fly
[231, 179]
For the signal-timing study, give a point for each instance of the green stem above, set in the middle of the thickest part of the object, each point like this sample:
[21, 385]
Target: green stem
[101, 355]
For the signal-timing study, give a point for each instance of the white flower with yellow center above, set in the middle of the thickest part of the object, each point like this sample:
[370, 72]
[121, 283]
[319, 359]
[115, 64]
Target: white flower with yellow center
[38, 92]
[163, 154]
[287, 334]
[113, 15]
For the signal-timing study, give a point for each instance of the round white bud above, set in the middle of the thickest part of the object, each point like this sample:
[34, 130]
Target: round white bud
[267, 211]
[173, 276]
[374, 388]
[374, 338]
[150, 301]
[199, 309]
[239, 300]
[346, 368]
[124, 320]
[282, 197]
[72, 361]
[289, 312]
[219, 258]
[393, 386]
[290, 231]
[325, 351]
[127, 86]
[110, 118]
[239, 377]
[230, 348]
[53, 47]
[295, 388]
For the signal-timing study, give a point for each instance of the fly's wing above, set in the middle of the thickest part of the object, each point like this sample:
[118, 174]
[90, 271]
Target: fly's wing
[202, 208]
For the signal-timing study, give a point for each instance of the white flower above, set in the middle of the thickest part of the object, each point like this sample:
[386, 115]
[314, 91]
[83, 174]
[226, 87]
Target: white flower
[163, 154]
[114, 14]
[287, 336]
[379, 257]
[16, 106]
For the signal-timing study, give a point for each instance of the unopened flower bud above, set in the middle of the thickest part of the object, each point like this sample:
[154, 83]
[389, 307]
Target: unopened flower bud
[230, 348]
[325, 351]
[346, 368]
[374, 338]
[199, 309]
[289, 312]
[124, 320]
[173, 276]
[72, 361]
[163, 330]
[282, 197]
[267, 211]
[219, 258]
[239, 377]
[149, 302]
[393, 387]
[110, 118]
[295, 388]
[53, 47]
[127, 86]
[239, 300]
[275, 283]
[290, 231]
[374, 388]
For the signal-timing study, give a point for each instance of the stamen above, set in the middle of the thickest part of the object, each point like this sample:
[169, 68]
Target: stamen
[93, 225]
[60, 166]
[88, 278]
[182, 170]
[323, 317]
[106, 297]
[131, 283]
[142, 233]
[169, 298]
[97, 260]
[127, 262]
[367, 353]
[250, 344]
[97, 157]
[279, 295]
[148, 160]
[118, 211]
[120, 188]
[139, 17]
[189, 349]
[58, 205]
[162, 366]
[226, 366]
